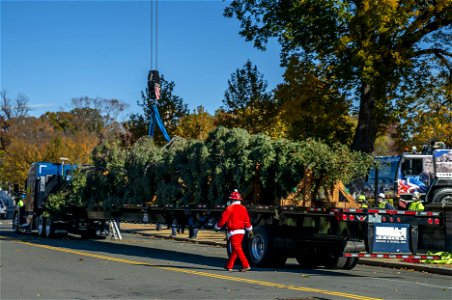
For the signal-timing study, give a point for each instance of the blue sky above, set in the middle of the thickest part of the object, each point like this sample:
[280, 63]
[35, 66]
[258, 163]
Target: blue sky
[53, 51]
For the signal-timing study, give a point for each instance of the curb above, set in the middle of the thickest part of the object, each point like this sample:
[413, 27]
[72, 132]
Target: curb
[362, 261]
[401, 265]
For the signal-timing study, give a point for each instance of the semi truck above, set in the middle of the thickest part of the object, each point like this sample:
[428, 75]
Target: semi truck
[43, 180]
[334, 237]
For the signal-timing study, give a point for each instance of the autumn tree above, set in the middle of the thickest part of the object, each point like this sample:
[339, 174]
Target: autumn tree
[427, 115]
[36, 139]
[196, 125]
[312, 106]
[247, 103]
[62, 121]
[97, 114]
[28, 137]
[368, 47]
[170, 106]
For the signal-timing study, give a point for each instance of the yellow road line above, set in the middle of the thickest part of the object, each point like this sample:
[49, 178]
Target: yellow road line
[205, 274]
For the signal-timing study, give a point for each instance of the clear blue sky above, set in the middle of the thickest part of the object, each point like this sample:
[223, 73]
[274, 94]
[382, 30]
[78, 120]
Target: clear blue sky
[53, 51]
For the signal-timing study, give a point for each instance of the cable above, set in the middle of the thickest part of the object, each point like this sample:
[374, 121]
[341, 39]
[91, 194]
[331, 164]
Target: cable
[152, 30]
[154, 34]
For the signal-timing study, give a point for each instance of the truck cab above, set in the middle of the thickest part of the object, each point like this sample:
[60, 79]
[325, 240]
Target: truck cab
[43, 178]
[429, 173]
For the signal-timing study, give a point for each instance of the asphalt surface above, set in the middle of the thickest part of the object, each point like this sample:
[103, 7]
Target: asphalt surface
[210, 237]
[159, 267]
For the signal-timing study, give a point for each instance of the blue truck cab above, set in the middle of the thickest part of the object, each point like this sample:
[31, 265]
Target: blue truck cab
[42, 179]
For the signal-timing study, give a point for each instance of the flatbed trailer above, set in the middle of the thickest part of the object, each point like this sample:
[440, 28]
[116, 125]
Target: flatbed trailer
[332, 237]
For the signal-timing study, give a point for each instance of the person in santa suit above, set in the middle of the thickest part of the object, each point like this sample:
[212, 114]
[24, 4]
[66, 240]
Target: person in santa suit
[237, 221]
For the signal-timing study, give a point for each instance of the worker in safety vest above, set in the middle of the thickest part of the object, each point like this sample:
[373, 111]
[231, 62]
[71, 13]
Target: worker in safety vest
[237, 222]
[383, 203]
[21, 206]
[416, 205]
[362, 201]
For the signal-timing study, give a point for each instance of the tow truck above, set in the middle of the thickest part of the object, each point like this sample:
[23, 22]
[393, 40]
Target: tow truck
[428, 172]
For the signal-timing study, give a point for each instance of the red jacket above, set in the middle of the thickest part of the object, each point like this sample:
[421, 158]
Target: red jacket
[236, 219]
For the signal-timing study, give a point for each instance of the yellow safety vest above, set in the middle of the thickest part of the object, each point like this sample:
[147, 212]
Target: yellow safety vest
[20, 203]
[416, 206]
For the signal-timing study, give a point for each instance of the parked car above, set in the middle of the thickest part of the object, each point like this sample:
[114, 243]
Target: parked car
[3, 210]
[9, 203]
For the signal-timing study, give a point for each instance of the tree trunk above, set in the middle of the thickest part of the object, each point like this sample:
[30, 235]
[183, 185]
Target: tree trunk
[366, 132]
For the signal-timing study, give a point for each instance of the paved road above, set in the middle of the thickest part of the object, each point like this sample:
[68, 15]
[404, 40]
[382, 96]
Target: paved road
[140, 267]
[211, 237]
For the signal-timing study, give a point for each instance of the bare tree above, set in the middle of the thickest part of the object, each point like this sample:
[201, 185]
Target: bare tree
[108, 109]
[10, 109]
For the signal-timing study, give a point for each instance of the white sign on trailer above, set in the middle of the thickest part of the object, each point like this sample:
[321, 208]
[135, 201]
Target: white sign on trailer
[391, 233]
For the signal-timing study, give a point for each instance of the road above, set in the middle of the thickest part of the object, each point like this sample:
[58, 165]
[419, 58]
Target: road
[140, 267]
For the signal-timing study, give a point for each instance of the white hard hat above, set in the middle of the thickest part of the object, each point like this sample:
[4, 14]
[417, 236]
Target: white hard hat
[416, 195]
[381, 195]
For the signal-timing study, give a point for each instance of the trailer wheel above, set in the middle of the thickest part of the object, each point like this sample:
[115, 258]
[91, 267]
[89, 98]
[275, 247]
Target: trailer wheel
[261, 252]
[307, 260]
[245, 243]
[443, 195]
[41, 225]
[49, 228]
[335, 262]
[278, 259]
[351, 263]
[228, 247]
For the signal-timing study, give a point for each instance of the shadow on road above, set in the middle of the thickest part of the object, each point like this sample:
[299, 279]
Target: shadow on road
[135, 252]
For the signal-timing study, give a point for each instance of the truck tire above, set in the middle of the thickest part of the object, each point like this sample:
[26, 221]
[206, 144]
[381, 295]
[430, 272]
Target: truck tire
[335, 262]
[351, 263]
[49, 228]
[444, 196]
[261, 251]
[41, 225]
[307, 260]
[278, 259]
[244, 247]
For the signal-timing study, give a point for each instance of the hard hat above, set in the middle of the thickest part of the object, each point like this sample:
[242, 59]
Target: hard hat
[381, 195]
[235, 195]
[416, 196]
[361, 198]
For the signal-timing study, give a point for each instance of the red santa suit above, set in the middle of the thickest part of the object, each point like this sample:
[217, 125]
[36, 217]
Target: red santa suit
[237, 220]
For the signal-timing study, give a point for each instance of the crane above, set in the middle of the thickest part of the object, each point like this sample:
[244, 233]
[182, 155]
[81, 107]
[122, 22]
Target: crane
[154, 77]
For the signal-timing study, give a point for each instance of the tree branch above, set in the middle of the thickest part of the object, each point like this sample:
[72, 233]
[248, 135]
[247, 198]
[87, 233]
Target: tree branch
[439, 53]
[412, 36]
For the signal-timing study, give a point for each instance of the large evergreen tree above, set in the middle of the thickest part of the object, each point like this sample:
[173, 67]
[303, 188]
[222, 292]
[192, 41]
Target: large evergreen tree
[247, 103]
